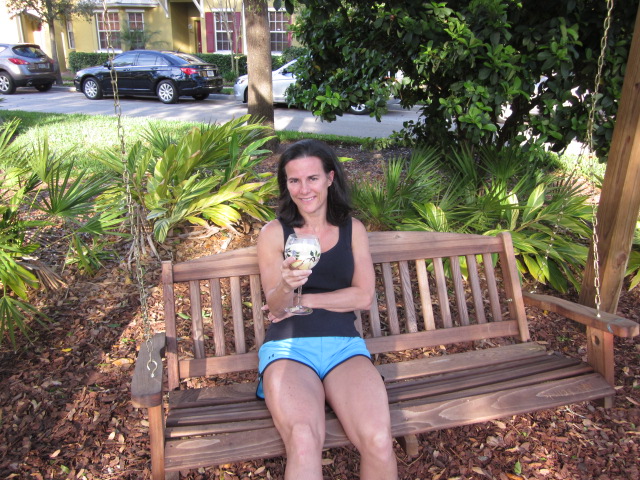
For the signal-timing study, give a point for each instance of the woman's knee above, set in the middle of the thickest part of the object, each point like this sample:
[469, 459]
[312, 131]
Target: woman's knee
[378, 443]
[304, 439]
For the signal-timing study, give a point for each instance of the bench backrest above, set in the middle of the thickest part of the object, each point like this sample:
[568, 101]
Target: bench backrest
[432, 289]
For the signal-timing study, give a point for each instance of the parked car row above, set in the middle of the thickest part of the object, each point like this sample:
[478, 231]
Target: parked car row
[162, 74]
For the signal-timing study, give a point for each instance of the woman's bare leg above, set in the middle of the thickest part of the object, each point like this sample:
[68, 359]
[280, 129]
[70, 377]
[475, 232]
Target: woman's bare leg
[357, 394]
[295, 398]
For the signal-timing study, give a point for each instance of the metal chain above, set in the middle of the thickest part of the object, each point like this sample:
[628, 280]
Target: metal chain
[591, 166]
[590, 129]
[136, 220]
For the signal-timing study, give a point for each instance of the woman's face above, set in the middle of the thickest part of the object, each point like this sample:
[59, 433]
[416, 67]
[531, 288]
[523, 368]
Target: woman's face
[308, 184]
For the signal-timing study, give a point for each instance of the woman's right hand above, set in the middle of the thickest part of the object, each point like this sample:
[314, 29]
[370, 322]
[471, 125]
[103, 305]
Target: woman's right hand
[293, 278]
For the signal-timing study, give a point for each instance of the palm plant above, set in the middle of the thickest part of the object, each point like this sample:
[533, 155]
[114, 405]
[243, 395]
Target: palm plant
[385, 203]
[488, 192]
[207, 176]
[40, 190]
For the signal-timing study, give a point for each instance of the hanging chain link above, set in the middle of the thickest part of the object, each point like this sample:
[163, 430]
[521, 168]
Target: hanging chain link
[136, 220]
[592, 158]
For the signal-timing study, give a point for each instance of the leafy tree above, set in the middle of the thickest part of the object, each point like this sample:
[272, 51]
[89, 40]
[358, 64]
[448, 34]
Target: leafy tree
[485, 71]
[49, 11]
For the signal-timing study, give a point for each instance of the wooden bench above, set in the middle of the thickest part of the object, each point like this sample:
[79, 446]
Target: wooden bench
[433, 289]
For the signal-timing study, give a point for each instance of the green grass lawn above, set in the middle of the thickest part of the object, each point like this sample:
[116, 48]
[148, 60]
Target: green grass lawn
[84, 135]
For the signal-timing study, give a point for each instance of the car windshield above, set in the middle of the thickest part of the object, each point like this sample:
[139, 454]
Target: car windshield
[30, 51]
[188, 58]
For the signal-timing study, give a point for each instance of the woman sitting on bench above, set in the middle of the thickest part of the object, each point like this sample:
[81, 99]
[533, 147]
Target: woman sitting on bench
[307, 361]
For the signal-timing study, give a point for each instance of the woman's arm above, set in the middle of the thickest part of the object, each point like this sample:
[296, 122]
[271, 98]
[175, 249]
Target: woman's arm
[278, 280]
[360, 294]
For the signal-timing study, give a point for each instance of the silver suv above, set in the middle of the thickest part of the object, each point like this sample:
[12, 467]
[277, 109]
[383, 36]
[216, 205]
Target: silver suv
[25, 65]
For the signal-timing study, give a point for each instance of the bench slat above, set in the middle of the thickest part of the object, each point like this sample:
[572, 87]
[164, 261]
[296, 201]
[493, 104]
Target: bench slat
[184, 454]
[460, 361]
[458, 288]
[256, 308]
[407, 297]
[216, 315]
[492, 288]
[425, 295]
[374, 318]
[470, 333]
[396, 246]
[476, 292]
[197, 331]
[441, 289]
[236, 312]
[390, 298]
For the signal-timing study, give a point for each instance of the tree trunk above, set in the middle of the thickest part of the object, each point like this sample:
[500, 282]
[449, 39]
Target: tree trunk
[51, 17]
[260, 93]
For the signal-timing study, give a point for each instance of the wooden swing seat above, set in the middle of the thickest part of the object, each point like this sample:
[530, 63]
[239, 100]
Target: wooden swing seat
[433, 290]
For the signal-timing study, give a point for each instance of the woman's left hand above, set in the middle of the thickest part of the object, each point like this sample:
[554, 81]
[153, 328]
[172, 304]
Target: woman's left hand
[272, 318]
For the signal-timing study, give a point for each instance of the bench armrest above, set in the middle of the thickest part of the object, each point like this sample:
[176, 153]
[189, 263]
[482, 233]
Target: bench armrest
[146, 390]
[607, 322]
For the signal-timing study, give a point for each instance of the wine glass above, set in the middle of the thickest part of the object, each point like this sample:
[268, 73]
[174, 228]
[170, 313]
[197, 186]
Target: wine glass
[305, 249]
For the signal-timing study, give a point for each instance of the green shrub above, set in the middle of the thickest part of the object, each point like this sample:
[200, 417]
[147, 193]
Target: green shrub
[41, 184]
[80, 60]
[487, 192]
[207, 175]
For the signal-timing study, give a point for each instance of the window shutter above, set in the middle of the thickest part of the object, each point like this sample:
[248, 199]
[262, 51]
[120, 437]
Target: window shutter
[210, 32]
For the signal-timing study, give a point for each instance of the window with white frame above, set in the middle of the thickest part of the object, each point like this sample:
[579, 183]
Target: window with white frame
[110, 24]
[135, 21]
[278, 26]
[71, 39]
[224, 31]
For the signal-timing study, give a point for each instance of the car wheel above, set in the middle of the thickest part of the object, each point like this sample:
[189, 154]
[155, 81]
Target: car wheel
[359, 109]
[201, 96]
[92, 89]
[44, 87]
[167, 92]
[7, 86]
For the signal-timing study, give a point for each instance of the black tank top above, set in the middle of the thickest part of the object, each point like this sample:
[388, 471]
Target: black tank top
[333, 272]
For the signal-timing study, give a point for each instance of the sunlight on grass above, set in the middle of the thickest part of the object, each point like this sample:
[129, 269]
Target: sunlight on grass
[83, 135]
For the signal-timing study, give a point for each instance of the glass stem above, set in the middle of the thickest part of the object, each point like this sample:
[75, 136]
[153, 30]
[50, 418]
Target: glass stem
[298, 296]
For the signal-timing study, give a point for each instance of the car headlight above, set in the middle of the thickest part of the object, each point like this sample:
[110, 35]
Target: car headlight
[241, 80]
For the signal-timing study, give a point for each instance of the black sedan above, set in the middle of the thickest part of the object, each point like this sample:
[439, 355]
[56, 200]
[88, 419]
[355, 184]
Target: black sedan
[167, 75]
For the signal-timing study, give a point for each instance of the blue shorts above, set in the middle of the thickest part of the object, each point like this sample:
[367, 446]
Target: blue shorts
[321, 354]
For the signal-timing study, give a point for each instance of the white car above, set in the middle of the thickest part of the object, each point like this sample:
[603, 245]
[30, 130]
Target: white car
[281, 79]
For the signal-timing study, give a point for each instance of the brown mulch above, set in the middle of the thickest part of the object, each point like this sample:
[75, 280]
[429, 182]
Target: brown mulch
[65, 411]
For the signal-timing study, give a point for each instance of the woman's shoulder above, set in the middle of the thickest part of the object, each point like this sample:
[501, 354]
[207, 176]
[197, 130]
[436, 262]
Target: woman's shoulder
[358, 226]
[271, 232]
